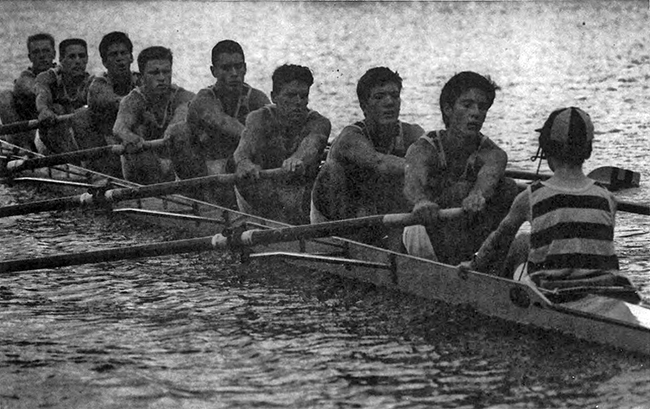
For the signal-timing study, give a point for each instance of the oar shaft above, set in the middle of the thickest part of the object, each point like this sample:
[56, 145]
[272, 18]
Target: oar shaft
[28, 125]
[117, 195]
[520, 174]
[113, 254]
[633, 208]
[216, 242]
[62, 203]
[68, 157]
[339, 227]
[162, 189]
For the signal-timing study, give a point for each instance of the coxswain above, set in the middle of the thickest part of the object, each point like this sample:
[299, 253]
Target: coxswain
[571, 240]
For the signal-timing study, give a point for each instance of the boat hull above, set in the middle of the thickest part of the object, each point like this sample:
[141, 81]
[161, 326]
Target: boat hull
[595, 318]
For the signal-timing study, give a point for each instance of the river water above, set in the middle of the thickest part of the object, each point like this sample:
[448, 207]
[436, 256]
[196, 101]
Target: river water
[201, 331]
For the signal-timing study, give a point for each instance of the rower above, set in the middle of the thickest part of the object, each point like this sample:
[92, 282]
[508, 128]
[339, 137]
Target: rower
[205, 143]
[364, 170]
[457, 167]
[61, 90]
[147, 113]
[95, 123]
[285, 134]
[571, 239]
[19, 104]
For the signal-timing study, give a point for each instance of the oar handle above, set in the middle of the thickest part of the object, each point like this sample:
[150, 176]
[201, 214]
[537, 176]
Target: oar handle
[409, 219]
[28, 125]
[68, 157]
[333, 228]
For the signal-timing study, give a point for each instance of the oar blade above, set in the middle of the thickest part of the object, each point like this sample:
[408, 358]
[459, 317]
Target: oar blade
[616, 178]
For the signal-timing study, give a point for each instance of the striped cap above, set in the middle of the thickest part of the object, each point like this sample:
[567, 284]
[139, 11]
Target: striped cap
[570, 126]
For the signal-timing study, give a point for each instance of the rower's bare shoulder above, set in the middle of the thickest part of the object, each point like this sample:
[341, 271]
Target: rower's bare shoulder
[184, 96]
[412, 131]
[258, 99]
[26, 75]
[46, 77]
[420, 151]
[205, 99]
[132, 103]
[350, 135]
[317, 119]
[259, 117]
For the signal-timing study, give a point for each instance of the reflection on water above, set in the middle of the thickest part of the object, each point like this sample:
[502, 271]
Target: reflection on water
[199, 331]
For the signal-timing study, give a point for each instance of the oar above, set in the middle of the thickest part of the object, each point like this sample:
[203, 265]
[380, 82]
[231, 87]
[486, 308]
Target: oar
[69, 157]
[613, 177]
[103, 197]
[250, 237]
[630, 207]
[28, 125]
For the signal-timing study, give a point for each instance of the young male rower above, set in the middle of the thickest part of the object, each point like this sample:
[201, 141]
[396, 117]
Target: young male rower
[364, 170]
[147, 113]
[286, 134]
[215, 120]
[19, 104]
[571, 240]
[59, 91]
[95, 123]
[457, 166]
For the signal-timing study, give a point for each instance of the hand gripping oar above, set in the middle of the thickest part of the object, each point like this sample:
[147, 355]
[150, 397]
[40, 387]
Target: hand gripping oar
[18, 165]
[612, 177]
[103, 197]
[219, 241]
[28, 125]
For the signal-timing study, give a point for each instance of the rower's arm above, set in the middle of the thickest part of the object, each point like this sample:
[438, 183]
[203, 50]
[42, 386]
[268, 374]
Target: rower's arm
[248, 143]
[44, 99]
[421, 161]
[495, 160]
[503, 236]
[206, 112]
[351, 146]
[128, 115]
[181, 104]
[311, 147]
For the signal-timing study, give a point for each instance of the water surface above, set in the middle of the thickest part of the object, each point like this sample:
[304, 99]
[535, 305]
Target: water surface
[199, 331]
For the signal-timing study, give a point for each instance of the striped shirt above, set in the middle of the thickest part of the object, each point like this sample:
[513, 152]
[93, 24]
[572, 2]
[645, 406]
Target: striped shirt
[572, 232]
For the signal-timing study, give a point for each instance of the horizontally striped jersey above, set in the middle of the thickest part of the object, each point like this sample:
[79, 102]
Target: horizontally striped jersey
[572, 231]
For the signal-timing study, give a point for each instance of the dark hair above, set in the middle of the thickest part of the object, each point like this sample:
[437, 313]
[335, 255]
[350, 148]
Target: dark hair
[39, 37]
[153, 53]
[68, 42]
[115, 37]
[226, 47]
[460, 83]
[286, 73]
[375, 77]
